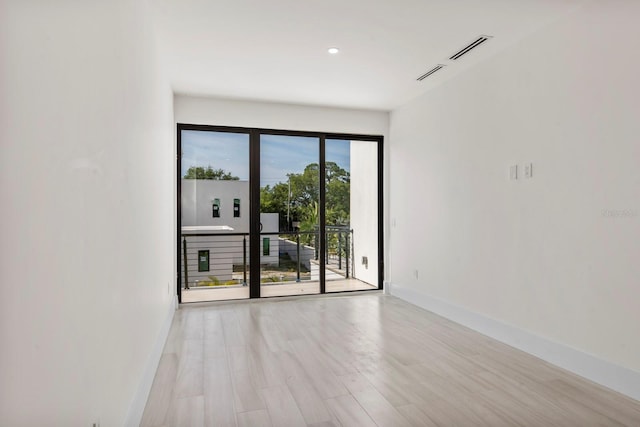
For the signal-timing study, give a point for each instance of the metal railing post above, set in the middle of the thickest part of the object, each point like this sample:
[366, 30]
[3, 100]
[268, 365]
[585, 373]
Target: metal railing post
[326, 247]
[347, 254]
[339, 250]
[244, 260]
[298, 252]
[186, 267]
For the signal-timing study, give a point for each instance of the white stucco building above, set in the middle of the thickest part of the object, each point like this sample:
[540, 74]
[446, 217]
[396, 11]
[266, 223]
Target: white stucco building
[364, 210]
[220, 209]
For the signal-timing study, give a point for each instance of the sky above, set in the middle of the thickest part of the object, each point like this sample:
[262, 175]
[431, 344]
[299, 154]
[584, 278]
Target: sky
[279, 154]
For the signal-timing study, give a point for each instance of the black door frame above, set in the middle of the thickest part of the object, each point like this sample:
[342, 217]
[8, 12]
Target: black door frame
[254, 195]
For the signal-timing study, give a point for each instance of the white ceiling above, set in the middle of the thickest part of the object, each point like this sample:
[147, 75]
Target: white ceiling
[276, 50]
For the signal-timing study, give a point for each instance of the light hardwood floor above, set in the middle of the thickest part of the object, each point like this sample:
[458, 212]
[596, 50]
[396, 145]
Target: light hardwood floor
[359, 360]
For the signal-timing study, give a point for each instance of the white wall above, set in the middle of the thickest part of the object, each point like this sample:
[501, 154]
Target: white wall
[555, 256]
[87, 189]
[227, 112]
[364, 209]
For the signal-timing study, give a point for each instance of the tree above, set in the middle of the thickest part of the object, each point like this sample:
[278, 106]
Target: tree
[200, 172]
[302, 203]
[338, 195]
[274, 200]
[305, 190]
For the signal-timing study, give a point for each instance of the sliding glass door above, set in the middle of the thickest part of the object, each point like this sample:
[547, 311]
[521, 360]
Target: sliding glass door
[304, 206]
[214, 215]
[289, 205]
[351, 207]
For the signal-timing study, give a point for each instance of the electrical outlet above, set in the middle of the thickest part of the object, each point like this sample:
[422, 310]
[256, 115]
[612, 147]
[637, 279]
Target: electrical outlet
[528, 170]
[95, 424]
[415, 274]
[365, 261]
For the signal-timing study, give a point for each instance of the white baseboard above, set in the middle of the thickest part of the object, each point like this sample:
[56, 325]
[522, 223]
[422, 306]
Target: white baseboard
[386, 287]
[615, 377]
[136, 409]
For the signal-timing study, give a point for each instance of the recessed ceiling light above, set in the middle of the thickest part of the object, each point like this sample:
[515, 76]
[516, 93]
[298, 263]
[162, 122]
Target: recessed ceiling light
[333, 50]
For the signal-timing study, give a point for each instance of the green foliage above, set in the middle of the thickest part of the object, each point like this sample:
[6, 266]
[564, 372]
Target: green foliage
[304, 197]
[200, 172]
[337, 195]
[213, 281]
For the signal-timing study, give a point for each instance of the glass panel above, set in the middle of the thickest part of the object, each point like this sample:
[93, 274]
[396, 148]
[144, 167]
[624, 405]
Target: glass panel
[289, 199]
[351, 193]
[215, 241]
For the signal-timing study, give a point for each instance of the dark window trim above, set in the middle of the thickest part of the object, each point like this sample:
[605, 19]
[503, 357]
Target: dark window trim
[268, 131]
[215, 213]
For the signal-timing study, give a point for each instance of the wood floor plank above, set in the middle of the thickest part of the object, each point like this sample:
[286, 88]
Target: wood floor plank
[309, 401]
[231, 329]
[415, 416]
[246, 396]
[238, 357]
[442, 413]
[323, 379]
[348, 412]
[258, 418]
[359, 360]
[189, 380]
[162, 390]
[282, 407]
[397, 391]
[379, 409]
[219, 394]
[324, 424]
[356, 383]
[219, 410]
[188, 412]
[214, 344]
[619, 408]
[523, 411]
[265, 368]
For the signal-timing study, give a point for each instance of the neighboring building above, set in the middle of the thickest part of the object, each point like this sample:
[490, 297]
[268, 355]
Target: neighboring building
[363, 220]
[221, 208]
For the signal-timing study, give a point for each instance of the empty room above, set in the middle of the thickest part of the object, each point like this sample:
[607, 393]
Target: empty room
[289, 213]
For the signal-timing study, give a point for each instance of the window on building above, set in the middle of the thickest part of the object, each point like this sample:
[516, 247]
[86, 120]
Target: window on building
[215, 207]
[236, 208]
[266, 246]
[203, 260]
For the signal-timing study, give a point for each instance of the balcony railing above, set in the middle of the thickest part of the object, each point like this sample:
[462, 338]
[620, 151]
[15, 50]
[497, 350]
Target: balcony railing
[222, 259]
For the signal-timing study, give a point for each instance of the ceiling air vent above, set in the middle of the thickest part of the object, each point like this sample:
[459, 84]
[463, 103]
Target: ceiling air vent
[431, 71]
[469, 47]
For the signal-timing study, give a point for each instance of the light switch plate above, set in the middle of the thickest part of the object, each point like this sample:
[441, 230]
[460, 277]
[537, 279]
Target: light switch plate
[513, 172]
